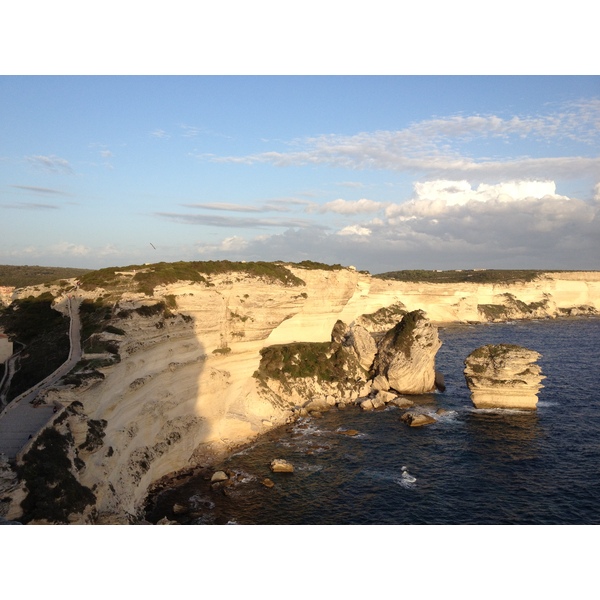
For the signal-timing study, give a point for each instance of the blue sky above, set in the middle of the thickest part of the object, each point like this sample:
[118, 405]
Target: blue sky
[381, 172]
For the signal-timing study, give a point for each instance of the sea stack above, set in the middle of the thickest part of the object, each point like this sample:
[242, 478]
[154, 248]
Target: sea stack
[503, 376]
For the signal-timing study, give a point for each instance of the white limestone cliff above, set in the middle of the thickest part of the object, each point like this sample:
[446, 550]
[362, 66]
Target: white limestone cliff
[183, 391]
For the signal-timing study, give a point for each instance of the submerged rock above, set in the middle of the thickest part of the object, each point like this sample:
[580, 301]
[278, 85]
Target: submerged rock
[416, 419]
[180, 509]
[503, 376]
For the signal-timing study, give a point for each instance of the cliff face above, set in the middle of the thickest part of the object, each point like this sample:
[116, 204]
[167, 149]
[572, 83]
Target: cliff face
[182, 390]
[552, 295]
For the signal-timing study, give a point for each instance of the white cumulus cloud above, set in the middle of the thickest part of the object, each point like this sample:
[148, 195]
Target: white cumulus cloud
[350, 207]
[460, 192]
[69, 249]
[355, 230]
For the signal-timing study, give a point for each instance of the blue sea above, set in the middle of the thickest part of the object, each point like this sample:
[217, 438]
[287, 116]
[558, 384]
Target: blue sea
[470, 467]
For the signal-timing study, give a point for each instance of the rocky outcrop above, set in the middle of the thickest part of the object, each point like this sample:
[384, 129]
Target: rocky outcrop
[406, 355]
[503, 376]
[353, 368]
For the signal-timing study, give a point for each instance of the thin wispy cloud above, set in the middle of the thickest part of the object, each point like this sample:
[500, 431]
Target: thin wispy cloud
[190, 131]
[229, 221]
[30, 206]
[230, 207]
[40, 190]
[439, 147]
[351, 184]
[52, 164]
[160, 133]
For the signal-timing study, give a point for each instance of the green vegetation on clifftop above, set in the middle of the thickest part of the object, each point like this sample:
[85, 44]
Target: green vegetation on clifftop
[144, 278]
[23, 275]
[501, 276]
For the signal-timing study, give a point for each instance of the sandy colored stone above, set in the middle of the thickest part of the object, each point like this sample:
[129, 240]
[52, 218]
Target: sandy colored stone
[503, 376]
[385, 397]
[402, 402]
[279, 465]
[348, 432]
[406, 355]
[417, 419]
[219, 476]
[367, 404]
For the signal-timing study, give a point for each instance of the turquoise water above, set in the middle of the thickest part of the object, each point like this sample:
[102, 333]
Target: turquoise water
[470, 467]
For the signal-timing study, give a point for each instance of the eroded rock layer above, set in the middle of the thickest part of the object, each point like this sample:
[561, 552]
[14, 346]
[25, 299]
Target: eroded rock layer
[503, 376]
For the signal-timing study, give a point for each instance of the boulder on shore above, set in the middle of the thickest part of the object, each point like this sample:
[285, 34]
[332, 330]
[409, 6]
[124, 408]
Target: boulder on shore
[279, 465]
[219, 476]
[503, 376]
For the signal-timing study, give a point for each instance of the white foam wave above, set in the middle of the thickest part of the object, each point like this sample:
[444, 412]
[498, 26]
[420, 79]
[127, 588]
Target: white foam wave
[406, 482]
[243, 477]
[308, 428]
[501, 411]
[405, 479]
[203, 502]
[308, 468]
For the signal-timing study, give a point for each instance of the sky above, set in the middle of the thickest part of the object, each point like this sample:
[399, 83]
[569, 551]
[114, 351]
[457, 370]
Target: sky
[379, 172]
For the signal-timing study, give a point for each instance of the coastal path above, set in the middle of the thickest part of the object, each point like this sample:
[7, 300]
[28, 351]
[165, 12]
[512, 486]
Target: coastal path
[21, 420]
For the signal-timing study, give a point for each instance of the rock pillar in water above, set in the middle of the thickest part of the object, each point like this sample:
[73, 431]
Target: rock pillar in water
[503, 376]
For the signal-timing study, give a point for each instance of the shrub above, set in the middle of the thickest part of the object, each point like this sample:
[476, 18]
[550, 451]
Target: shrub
[322, 360]
[53, 491]
[221, 351]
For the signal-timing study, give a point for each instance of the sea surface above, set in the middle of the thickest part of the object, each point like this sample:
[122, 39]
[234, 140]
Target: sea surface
[469, 467]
